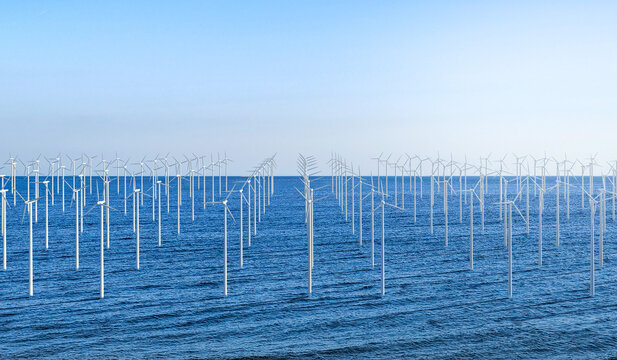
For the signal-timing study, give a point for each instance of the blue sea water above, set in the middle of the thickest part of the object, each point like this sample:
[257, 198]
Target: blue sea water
[434, 307]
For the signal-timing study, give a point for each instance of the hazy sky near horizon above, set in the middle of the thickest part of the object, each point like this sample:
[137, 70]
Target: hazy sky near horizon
[358, 77]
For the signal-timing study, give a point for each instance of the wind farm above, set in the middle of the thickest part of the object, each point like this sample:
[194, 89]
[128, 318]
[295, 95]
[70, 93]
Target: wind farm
[500, 234]
[308, 180]
[416, 241]
[513, 199]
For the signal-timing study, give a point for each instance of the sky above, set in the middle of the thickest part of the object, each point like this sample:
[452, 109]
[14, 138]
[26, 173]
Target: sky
[254, 78]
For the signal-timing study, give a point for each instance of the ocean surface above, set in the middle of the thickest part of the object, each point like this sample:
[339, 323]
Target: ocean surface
[434, 306]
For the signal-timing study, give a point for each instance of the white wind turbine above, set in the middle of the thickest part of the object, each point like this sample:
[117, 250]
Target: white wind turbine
[102, 204]
[593, 202]
[379, 160]
[28, 208]
[508, 232]
[212, 164]
[14, 181]
[540, 211]
[226, 160]
[386, 175]
[3, 224]
[178, 179]
[372, 195]
[126, 171]
[63, 182]
[47, 213]
[305, 166]
[90, 158]
[446, 184]
[382, 206]
[106, 181]
[117, 160]
[242, 200]
[136, 194]
[471, 195]
[102, 254]
[502, 204]
[218, 162]
[30, 251]
[432, 197]
[226, 210]
[77, 206]
[361, 197]
[36, 189]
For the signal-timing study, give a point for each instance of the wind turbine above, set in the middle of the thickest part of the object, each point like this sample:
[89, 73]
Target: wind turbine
[30, 261]
[225, 161]
[3, 225]
[242, 200]
[471, 195]
[382, 206]
[46, 213]
[117, 174]
[136, 194]
[158, 182]
[102, 204]
[378, 166]
[305, 166]
[28, 208]
[77, 206]
[226, 210]
[102, 254]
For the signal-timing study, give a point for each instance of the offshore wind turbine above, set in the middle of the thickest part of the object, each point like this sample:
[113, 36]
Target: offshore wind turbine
[372, 222]
[36, 191]
[136, 194]
[28, 207]
[212, 164]
[3, 225]
[306, 165]
[592, 275]
[602, 197]
[378, 167]
[218, 155]
[242, 200]
[353, 201]
[30, 251]
[76, 191]
[179, 182]
[117, 160]
[158, 183]
[126, 171]
[46, 213]
[360, 181]
[445, 209]
[51, 175]
[471, 194]
[540, 211]
[557, 193]
[432, 197]
[225, 211]
[386, 168]
[102, 254]
[509, 221]
[203, 170]
[225, 161]
[106, 181]
[141, 175]
[63, 181]
[382, 206]
[90, 158]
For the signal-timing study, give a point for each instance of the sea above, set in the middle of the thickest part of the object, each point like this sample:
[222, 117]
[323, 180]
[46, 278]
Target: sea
[435, 306]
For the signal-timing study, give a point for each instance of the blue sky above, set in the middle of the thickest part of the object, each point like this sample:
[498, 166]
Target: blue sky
[359, 77]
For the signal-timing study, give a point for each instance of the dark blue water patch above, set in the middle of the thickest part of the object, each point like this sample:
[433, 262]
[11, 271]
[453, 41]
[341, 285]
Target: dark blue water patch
[434, 306]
